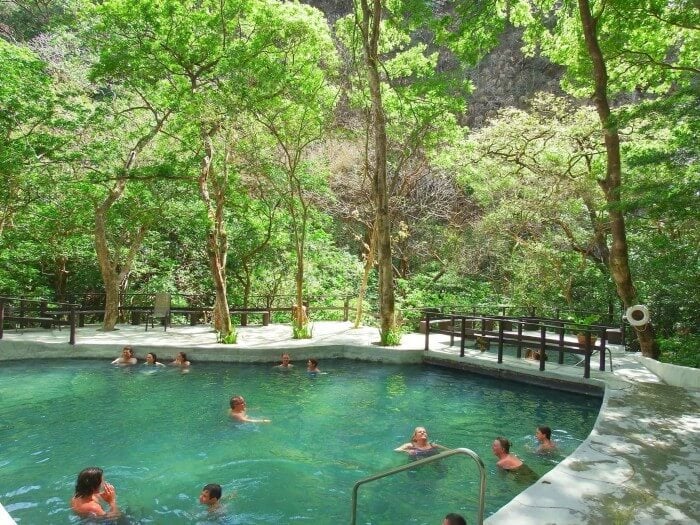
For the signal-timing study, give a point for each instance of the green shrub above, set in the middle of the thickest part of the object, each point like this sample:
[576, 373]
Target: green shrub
[303, 331]
[681, 350]
[228, 339]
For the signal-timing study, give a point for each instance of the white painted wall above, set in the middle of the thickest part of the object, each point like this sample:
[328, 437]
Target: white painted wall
[673, 375]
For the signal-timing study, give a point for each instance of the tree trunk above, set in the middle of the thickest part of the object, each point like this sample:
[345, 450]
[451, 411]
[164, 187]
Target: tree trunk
[369, 264]
[612, 183]
[217, 242]
[370, 27]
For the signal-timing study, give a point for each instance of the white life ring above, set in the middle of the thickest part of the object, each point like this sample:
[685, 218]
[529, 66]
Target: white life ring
[637, 315]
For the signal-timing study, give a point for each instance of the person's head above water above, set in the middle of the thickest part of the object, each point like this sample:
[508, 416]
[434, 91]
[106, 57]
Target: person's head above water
[501, 443]
[237, 402]
[88, 483]
[454, 519]
[151, 358]
[419, 434]
[211, 494]
[544, 431]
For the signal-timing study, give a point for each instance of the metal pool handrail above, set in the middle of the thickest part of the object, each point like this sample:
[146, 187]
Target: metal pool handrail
[421, 462]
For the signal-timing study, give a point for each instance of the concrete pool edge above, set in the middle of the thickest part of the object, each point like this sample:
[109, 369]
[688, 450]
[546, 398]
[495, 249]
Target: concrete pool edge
[640, 464]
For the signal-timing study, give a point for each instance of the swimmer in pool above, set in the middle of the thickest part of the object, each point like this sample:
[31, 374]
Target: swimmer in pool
[285, 364]
[543, 434]
[87, 499]
[181, 360]
[211, 496]
[506, 460]
[420, 445]
[312, 366]
[152, 360]
[238, 411]
[127, 357]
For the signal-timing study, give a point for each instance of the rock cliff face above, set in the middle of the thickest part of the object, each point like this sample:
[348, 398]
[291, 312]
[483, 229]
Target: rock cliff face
[505, 77]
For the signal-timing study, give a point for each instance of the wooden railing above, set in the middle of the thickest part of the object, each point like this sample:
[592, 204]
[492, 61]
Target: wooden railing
[546, 334]
[47, 314]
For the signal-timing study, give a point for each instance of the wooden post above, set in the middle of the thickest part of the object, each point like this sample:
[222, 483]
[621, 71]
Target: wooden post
[543, 346]
[587, 359]
[603, 341]
[427, 330]
[71, 318]
[346, 309]
[22, 313]
[520, 338]
[452, 331]
[463, 335]
[500, 340]
[2, 317]
[561, 344]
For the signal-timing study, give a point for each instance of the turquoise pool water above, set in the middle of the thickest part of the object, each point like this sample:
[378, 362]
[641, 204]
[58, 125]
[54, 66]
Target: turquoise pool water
[161, 436]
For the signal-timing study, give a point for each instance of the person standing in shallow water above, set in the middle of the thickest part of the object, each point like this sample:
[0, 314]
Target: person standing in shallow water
[87, 499]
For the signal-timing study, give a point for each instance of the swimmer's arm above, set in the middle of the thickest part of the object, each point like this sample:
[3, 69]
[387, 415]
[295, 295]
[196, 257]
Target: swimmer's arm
[109, 495]
[404, 448]
[251, 420]
[116, 361]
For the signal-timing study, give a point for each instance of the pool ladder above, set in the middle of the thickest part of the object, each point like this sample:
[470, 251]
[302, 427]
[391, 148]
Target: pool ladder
[421, 462]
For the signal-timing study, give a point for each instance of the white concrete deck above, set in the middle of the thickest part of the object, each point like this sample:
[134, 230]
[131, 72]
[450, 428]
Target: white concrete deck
[640, 464]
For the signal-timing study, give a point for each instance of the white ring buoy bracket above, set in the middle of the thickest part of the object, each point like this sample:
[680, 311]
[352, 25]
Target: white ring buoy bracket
[637, 315]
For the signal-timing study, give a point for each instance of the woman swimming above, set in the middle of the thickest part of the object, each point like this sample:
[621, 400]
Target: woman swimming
[152, 360]
[181, 360]
[420, 445]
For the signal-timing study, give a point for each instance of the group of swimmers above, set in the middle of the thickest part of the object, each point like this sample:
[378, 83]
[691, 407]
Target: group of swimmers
[91, 490]
[90, 487]
[421, 446]
[128, 358]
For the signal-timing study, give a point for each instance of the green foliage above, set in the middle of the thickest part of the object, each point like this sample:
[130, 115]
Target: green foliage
[302, 331]
[681, 350]
[230, 338]
[391, 337]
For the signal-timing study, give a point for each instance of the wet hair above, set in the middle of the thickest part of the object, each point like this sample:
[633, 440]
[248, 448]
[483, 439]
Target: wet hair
[415, 431]
[183, 355]
[235, 400]
[214, 490]
[455, 519]
[505, 444]
[313, 362]
[129, 349]
[286, 355]
[89, 481]
[546, 431]
[155, 358]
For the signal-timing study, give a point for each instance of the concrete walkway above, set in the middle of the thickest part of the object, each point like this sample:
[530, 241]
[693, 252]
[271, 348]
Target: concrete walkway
[640, 464]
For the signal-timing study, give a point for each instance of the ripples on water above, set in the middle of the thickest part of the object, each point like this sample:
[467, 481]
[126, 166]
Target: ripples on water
[161, 436]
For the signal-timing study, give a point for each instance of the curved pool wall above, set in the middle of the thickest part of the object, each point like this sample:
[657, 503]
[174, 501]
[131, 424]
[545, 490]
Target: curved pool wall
[640, 464]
